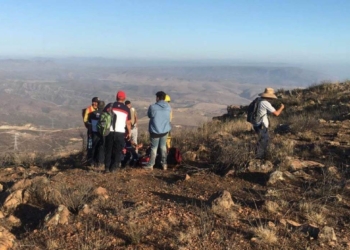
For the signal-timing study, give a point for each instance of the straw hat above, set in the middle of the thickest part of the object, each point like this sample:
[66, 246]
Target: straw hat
[268, 93]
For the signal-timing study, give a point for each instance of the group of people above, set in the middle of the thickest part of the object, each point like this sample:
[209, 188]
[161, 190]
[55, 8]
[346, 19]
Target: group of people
[120, 144]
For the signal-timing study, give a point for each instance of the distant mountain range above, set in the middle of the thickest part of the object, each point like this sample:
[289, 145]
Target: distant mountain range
[67, 85]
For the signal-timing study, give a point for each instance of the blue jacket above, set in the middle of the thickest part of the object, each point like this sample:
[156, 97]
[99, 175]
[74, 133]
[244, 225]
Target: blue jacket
[159, 114]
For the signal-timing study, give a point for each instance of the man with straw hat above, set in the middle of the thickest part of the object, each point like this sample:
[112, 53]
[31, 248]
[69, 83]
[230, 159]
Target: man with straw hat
[262, 122]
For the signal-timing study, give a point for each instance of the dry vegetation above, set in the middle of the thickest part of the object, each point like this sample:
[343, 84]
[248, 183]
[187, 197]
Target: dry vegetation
[134, 209]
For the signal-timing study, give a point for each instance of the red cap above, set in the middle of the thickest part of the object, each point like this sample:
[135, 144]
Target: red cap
[121, 95]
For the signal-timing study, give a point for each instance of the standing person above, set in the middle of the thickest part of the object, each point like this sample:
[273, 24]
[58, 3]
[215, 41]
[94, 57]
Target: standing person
[114, 143]
[133, 122]
[86, 112]
[168, 140]
[159, 126]
[97, 139]
[261, 124]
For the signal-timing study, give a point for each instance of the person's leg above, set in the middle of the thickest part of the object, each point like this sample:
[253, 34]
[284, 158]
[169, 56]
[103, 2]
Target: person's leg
[263, 141]
[118, 146]
[163, 150]
[100, 150]
[154, 147]
[95, 147]
[108, 151]
[134, 133]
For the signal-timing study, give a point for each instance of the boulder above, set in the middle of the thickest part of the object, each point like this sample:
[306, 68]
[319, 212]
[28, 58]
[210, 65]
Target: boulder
[296, 164]
[327, 234]
[221, 202]
[275, 177]
[14, 199]
[7, 239]
[22, 184]
[59, 216]
[258, 166]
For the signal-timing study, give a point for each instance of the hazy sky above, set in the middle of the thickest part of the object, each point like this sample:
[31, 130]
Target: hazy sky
[262, 30]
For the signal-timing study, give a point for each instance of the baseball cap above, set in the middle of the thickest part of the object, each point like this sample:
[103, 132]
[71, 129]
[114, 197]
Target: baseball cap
[121, 95]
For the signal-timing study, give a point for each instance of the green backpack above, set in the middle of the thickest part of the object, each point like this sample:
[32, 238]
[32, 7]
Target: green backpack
[107, 119]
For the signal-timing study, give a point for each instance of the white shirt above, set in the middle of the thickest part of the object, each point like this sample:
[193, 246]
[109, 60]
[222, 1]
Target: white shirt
[264, 109]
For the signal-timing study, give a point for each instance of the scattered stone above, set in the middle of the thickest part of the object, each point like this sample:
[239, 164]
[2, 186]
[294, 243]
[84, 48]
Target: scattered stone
[258, 166]
[327, 234]
[332, 143]
[2, 215]
[101, 192]
[275, 177]
[60, 216]
[7, 239]
[303, 175]
[189, 156]
[293, 223]
[289, 176]
[85, 210]
[187, 177]
[283, 222]
[270, 224]
[297, 164]
[54, 169]
[322, 121]
[231, 172]
[221, 202]
[1, 187]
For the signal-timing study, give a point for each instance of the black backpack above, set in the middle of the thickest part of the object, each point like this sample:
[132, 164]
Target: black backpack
[253, 111]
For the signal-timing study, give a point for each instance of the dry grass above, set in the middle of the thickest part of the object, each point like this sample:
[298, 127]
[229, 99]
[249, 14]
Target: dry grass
[265, 235]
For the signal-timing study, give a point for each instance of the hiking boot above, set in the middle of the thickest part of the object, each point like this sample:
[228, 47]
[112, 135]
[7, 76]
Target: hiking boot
[165, 166]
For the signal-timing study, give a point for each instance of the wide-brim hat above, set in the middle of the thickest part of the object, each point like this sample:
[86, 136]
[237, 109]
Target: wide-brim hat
[268, 93]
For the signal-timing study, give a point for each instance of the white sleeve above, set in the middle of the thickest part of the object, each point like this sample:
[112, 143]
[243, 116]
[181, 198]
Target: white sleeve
[269, 107]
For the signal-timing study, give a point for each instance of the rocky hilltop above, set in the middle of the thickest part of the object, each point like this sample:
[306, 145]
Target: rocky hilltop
[219, 197]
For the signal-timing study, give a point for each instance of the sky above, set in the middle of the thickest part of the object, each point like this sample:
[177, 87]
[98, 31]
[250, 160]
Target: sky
[292, 31]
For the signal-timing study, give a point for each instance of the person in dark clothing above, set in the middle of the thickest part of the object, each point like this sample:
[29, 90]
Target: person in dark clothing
[97, 151]
[114, 141]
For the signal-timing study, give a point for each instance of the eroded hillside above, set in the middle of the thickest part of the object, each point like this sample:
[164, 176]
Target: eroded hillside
[220, 197]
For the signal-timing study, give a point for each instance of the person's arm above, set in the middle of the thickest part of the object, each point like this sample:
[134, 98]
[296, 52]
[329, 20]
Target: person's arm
[128, 127]
[149, 112]
[278, 111]
[86, 115]
[135, 114]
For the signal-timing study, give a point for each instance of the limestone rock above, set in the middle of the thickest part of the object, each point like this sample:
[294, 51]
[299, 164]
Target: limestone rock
[258, 166]
[101, 192]
[221, 201]
[60, 216]
[187, 177]
[327, 234]
[7, 239]
[13, 200]
[22, 184]
[296, 164]
[275, 177]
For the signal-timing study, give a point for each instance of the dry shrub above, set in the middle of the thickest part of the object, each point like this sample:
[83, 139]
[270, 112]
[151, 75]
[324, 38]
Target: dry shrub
[272, 207]
[303, 122]
[136, 231]
[265, 235]
[280, 148]
[75, 197]
[312, 212]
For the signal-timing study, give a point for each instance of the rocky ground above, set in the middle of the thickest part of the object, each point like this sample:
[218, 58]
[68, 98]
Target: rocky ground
[218, 198]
